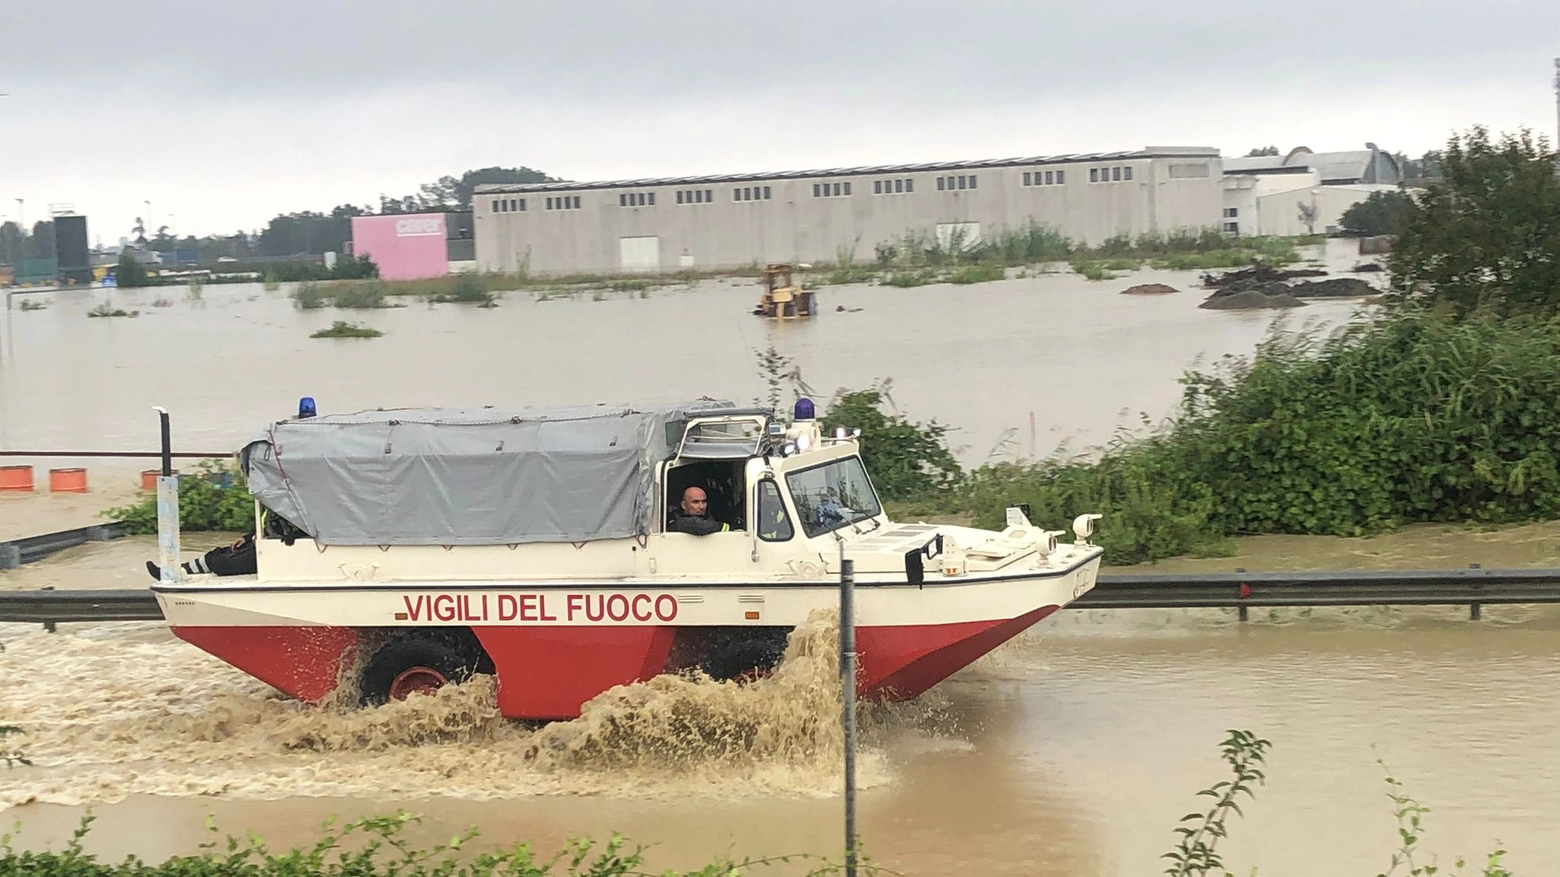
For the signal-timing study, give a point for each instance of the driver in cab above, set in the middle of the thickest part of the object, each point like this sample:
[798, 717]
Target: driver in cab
[692, 515]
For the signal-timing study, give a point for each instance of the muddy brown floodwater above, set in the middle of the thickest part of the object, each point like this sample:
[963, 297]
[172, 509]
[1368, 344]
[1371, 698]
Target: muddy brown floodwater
[1073, 749]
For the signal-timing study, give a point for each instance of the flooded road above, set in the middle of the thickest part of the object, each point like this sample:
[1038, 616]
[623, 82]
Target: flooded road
[1073, 749]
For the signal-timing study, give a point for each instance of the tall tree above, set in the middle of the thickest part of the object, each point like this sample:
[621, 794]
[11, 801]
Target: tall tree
[1487, 235]
[13, 242]
[1377, 214]
[41, 244]
[1262, 151]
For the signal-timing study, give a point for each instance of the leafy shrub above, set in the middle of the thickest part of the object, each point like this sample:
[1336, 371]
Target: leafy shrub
[214, 498]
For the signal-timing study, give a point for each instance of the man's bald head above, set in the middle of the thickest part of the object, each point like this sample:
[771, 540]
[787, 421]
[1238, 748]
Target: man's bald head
[694, 502]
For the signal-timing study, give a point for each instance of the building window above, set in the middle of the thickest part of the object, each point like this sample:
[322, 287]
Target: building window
[549, 203]
[495, 205]
[1027, 176]
[1126, 173]
[1232, 227]
[909, 185]
[877, 187]
[941, 183]
[766, 193]
[709, 196]
[1061, 178]
[1049, 178]
[1094, 175]
[1115, 174]
[815, 190]
[1231, 212]
[973, 180]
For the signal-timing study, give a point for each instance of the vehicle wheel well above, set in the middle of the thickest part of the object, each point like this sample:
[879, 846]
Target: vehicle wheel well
[434, 655]
[743, 652]
[462, 639]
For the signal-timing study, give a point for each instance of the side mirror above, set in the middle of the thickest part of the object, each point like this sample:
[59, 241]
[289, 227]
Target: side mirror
[915, 572]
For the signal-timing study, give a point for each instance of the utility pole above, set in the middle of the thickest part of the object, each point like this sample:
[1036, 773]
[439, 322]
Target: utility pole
[1557, 116]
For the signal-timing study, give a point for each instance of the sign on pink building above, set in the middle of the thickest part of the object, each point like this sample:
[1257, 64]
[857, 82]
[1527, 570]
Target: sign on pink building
[405, 246]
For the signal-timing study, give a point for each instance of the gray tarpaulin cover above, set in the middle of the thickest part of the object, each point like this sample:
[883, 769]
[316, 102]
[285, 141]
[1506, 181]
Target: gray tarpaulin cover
[467, 476]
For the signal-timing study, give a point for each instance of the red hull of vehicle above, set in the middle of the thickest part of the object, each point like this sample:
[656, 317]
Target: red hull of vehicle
[553, 671]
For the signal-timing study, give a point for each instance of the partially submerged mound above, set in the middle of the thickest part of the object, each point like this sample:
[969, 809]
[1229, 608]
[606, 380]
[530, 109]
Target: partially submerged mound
[1250, 300]
[1149, 289]
[1338, 287]
[1258, 274]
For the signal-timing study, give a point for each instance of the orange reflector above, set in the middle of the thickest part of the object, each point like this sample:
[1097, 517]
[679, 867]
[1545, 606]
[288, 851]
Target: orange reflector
[750, 616]
[400, 616]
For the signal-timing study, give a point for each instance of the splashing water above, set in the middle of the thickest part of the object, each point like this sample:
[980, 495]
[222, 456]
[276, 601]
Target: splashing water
[164, 718]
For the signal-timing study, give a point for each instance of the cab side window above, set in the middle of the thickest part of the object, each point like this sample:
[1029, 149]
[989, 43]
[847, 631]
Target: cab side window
[774, 525]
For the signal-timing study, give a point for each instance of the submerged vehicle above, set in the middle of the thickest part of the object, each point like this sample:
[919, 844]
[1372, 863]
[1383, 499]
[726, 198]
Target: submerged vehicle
[782, 298]
[401, 550]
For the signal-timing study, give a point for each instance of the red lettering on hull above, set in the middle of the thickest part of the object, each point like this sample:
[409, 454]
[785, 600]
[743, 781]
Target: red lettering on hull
[533, 608]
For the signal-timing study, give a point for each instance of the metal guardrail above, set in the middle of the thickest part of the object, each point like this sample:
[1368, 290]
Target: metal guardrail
[16, 552]
[1470, 587]
[1458, 587]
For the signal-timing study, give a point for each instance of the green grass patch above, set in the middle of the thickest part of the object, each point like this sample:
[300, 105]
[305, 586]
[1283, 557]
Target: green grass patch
[343, 329]
[975, 274]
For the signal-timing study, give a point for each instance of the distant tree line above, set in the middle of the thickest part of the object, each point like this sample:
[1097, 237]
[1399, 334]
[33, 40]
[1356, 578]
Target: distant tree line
[15, 244]
[312, 233]
[303, 233]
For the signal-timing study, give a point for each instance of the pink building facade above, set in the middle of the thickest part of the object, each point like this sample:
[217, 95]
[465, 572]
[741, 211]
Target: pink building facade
[405, 246]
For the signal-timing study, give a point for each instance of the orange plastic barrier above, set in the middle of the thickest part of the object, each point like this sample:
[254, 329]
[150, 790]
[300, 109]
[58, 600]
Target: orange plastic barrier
[68, 480]
[16, 478]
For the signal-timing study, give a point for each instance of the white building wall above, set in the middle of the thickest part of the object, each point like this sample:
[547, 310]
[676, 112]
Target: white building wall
[794, 225]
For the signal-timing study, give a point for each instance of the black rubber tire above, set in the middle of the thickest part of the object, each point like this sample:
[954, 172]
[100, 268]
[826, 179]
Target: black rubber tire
[745, 654]
[398, 656]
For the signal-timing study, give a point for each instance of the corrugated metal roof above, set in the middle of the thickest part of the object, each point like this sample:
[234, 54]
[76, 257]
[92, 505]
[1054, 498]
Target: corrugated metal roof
[1351, 164]
[867, 170]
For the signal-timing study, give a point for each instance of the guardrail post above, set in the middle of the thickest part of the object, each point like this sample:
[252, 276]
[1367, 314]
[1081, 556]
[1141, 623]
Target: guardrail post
[49, 625]
[1475, 610]
[10, 555]
[1244, 612]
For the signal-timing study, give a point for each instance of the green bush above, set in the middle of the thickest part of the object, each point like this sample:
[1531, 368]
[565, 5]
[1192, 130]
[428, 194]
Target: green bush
[309, 296]
[467, 289]
[130, 273]
[360, 296]
[975, 274]
[1091, 270]
[204, 504]
[344, 329]
[376, 847]
[907, 279]
[906, 460]
[1415, 418]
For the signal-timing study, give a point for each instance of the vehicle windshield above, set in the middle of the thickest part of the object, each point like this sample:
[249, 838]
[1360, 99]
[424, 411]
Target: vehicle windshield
[833, 495]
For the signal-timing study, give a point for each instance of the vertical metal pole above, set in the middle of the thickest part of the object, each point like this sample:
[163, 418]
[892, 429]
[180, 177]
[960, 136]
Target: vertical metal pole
[848, 686]
[167, 507]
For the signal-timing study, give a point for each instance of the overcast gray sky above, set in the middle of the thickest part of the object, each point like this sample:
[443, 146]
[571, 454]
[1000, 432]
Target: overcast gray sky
[223, 114]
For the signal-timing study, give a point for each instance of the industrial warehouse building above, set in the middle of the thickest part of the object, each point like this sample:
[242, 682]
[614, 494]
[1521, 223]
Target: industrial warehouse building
[1303, 192]
[814, 216]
